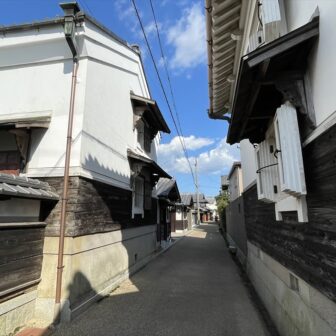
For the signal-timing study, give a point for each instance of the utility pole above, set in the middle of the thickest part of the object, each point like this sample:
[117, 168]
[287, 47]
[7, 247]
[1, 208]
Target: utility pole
[197, 193]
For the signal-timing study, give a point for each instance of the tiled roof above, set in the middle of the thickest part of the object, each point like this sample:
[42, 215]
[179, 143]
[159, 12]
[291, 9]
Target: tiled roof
[21, 186]
[165, 186]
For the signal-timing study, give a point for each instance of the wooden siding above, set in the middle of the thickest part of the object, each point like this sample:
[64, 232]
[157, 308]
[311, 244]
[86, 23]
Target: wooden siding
[21, 251]
[308, 249]
[94, 207]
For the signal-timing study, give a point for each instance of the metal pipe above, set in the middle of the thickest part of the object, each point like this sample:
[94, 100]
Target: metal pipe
[70, 11]
[64, 199]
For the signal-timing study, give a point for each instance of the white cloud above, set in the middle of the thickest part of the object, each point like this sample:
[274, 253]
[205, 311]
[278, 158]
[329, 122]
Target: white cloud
[125, 10]
[187, 37]
[191, 143]
[216, 160]
[162, 62]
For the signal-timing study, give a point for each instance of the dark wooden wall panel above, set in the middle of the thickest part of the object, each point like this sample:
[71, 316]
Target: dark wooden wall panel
[20, 255]
[95, 207]
[308, 249]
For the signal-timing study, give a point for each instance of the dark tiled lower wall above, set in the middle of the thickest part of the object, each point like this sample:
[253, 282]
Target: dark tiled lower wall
[94, 207]
[308, 249]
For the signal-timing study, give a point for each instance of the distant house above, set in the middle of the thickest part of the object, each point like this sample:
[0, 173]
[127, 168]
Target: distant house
[188, 202]
[204, 212]
[224, 183]
[212, 207]
[111, 213]
[169, 208]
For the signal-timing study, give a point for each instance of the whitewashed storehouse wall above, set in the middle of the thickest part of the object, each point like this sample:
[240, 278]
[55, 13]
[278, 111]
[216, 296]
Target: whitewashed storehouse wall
[108, 71]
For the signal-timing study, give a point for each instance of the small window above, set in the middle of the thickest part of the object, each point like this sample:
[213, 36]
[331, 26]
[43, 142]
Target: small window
[140, 133]
[178, 214]
[138, 195]
[13, 151]
[144, 137]
[147, 141]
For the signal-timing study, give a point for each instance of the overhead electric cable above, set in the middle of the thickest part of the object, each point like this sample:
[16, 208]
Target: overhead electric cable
[165, 65]
[164, 60]
[162, 87]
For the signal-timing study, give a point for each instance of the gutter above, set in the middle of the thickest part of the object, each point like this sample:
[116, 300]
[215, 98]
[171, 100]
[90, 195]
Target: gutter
[70, 10]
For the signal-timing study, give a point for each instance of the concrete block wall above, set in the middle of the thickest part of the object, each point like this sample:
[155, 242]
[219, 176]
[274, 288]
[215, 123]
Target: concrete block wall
[94, 265]
[301, 311]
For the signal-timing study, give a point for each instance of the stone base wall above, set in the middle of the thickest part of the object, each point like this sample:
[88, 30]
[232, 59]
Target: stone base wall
[295, 307]
[17, 312]
[93, 266]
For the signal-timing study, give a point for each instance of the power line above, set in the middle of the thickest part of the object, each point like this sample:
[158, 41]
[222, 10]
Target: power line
[165, 66]
[161, 84]
[184, 147]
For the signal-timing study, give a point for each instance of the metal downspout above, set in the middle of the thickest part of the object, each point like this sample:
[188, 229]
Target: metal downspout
[64, 199]
[69, 27]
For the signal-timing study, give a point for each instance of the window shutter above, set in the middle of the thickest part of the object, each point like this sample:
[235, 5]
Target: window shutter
[291, 169]
[267, 176]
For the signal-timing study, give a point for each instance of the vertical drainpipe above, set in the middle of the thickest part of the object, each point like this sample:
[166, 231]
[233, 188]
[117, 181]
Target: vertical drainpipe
[70, 10]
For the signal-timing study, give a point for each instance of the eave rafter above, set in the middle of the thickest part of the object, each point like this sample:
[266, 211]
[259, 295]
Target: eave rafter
[223, 35]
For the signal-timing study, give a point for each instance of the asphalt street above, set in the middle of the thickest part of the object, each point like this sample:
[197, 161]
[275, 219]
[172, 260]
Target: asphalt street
[192, 289]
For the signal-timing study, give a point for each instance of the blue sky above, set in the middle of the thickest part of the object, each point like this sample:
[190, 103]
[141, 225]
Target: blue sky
[182, 28]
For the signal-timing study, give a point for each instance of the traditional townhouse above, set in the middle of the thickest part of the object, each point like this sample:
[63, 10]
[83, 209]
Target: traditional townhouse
[188, 202]
[272, 77]
[76, 112]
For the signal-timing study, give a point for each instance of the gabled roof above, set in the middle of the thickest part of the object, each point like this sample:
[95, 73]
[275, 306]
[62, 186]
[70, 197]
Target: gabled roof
[193, 197]
[167, 188]
[24, 187]
[187, 199]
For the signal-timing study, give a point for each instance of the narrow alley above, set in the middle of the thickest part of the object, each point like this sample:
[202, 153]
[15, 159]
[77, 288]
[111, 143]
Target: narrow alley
[192, 289]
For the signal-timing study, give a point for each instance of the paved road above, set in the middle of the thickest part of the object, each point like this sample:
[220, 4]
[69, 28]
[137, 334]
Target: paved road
[192, 289]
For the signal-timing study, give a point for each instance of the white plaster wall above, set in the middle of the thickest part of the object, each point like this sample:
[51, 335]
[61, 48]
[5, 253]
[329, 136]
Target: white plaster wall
[322, 67]
[235, 184]
[113, 71]
[248, 165]
[35, 75]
